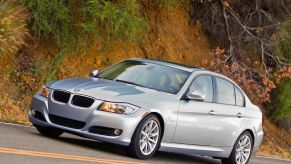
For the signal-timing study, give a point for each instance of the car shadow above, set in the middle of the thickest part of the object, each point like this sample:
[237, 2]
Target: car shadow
[159, 157]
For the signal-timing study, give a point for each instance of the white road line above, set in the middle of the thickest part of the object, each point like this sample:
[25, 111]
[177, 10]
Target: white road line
[19, 125]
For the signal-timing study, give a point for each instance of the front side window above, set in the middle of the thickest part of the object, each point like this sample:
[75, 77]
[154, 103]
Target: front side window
[149, 75]
[202, 86]
[225, 92]
[239, 97]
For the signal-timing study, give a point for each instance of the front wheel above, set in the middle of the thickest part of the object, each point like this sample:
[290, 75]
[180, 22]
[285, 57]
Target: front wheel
[242, 150]
[49, 132]
[146, 138]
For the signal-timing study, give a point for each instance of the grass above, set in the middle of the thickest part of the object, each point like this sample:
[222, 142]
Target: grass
[10, 112]
[53, 66]
[13, 30]
[276, 142]
[77, 24]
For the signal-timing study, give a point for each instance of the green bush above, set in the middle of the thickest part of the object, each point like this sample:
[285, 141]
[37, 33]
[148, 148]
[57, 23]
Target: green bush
[13, 30]
[114, 20]
[52, 18]
[283, 41]
[77, 23]
[282, 101]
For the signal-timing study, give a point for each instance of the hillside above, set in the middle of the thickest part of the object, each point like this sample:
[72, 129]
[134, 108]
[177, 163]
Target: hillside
[172, 31]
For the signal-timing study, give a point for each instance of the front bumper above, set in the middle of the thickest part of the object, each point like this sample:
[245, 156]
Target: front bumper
[127, 123]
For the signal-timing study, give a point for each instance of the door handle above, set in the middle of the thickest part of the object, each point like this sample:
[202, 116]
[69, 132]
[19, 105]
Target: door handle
[212, 112]
[239, 115]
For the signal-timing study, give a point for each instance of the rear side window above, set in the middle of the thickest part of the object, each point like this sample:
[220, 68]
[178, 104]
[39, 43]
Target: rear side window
[225, 92]
[239, 97]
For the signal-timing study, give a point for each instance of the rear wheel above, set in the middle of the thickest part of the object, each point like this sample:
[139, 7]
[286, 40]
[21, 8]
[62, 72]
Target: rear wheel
[242, 149]
[146, 139]
[47, 131]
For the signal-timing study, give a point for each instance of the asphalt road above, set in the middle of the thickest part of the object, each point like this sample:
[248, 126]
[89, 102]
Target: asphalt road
[24, 145]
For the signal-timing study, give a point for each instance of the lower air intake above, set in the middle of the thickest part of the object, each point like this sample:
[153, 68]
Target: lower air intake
[70, 123]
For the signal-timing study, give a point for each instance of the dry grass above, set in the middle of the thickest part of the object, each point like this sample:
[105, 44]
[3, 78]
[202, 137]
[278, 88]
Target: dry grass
[277, 142]
[10, 111]
[13, 31]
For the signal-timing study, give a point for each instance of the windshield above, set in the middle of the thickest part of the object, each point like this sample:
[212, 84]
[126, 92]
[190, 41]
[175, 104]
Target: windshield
[149, 75]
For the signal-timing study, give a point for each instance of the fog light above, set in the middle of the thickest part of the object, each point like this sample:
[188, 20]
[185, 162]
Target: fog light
[117, 132]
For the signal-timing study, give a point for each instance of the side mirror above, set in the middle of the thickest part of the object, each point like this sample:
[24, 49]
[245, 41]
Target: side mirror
[195, 96]
[94, 73]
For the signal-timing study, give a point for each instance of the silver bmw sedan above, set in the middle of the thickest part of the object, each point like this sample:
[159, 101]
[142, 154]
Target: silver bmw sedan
[149, 105]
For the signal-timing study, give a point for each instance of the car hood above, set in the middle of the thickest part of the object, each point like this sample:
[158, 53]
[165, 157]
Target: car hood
[108, 90]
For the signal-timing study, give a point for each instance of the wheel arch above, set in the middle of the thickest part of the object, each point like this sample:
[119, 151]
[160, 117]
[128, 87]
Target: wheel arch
[249, 131]
[252, 134]
[160, 118]
[162, 122]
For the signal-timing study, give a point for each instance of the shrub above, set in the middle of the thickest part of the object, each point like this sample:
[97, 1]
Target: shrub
[280, 109]
[78, 23]
[245, 28]
[13, 31]
[51, 18]
[282, 99]
[116, 20]
[282, 41]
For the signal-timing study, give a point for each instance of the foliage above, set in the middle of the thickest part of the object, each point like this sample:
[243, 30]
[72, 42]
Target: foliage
[77, 23]
[257, 86]
[282, 41]
[283, 74]
[53, 66]
[114, 20]
[13, 31]
[240, 25]
[280, 108]
[282, 101]
[51, 18]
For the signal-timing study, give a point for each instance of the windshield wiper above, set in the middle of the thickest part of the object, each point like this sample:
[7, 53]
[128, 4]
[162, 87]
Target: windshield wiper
[128, 82]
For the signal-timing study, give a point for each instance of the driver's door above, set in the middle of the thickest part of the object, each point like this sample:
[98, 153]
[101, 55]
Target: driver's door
[194, 125]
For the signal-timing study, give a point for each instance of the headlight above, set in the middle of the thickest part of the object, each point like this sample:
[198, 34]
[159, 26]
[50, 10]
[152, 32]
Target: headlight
[120, 108]
[43, 91]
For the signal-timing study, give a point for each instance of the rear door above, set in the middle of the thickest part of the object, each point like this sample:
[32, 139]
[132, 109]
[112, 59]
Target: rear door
[229, 112]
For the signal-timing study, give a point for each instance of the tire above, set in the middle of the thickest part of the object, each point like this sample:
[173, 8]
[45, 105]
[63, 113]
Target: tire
[49, 132]
[237, 150]
[142, 145]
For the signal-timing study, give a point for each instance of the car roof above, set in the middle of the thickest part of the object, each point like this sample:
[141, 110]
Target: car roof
[169, 64]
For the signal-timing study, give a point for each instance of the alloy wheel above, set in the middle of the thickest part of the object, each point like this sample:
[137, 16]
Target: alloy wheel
[243, 150]
[149, 137]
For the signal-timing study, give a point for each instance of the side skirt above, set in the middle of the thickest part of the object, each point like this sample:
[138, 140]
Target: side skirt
[216, 152]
